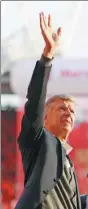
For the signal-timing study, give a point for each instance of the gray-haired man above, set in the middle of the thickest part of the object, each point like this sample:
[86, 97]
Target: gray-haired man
[50, 180]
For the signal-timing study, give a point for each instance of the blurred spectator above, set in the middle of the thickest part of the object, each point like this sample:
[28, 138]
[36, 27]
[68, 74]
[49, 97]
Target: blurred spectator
[8, 194]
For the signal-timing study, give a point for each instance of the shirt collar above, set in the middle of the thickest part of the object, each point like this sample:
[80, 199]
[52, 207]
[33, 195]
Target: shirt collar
[67, 147]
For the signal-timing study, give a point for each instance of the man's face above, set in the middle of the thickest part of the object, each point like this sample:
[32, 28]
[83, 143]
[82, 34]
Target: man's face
[62, 116]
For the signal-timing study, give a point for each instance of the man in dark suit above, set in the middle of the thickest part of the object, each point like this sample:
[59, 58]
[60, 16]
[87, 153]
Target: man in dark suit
[50, 180]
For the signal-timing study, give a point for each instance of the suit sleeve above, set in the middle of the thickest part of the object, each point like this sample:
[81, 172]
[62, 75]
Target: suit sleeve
[33, 118]
[84, 201]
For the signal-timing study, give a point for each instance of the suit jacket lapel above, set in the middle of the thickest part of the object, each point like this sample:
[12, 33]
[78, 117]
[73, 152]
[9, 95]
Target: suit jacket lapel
[61, 155]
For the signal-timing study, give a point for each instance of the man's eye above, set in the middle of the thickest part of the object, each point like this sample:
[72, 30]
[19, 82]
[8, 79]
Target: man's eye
[73, 111]
[63, 108]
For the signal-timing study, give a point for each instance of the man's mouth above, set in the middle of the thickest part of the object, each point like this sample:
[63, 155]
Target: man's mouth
[67, 121]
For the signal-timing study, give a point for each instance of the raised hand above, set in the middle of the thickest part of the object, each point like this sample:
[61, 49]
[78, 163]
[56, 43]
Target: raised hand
[52, 40]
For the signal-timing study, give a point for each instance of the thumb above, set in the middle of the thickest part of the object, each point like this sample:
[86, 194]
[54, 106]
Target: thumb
[59, 30]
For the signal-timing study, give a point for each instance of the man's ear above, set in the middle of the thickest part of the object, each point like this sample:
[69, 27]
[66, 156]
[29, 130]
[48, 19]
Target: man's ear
[45, 117]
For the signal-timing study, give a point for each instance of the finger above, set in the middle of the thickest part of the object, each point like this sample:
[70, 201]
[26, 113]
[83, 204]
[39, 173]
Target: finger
[49, 21]
[59, 30]
[44, 19]
[42, 25]
[54, 35]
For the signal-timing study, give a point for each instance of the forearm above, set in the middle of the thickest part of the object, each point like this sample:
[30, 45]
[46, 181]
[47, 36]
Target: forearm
[38, 87]
[33, 117]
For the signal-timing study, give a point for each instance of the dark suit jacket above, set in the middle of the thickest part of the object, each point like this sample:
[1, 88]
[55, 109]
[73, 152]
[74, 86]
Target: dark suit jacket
[84, 202]
[43, 155]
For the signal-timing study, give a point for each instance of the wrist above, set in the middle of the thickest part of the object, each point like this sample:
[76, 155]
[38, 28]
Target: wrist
[49, 53]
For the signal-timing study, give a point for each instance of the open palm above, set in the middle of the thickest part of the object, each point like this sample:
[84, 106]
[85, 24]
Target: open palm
[51, 39]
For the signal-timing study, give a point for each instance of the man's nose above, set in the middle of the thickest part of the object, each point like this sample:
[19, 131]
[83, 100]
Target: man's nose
[68, 112]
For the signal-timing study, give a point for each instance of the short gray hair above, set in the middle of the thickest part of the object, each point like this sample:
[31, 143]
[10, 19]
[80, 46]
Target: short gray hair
[61, 96]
